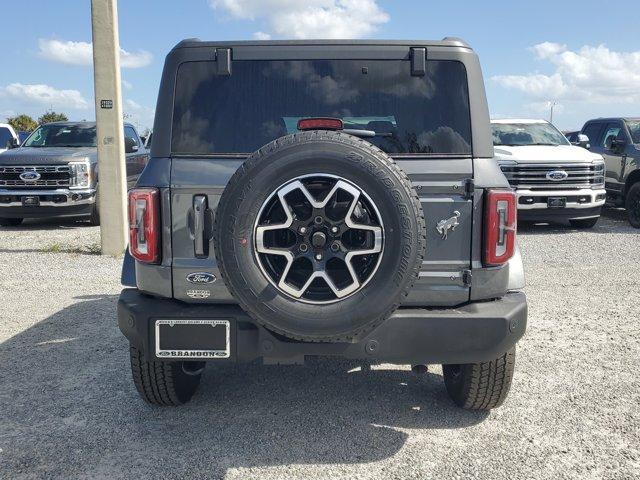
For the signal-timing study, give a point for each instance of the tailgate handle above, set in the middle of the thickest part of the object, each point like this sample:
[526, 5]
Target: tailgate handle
[200, 247]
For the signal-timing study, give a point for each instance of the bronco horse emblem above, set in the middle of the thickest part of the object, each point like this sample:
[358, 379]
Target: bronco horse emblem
[447, 224]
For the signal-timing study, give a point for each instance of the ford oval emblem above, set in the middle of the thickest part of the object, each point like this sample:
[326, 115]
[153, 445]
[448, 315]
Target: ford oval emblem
[557, 175]
[30, 176]
[201, 278]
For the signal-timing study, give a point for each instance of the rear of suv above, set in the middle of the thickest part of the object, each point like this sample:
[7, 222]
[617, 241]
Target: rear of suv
[322, 198]
[554, 180]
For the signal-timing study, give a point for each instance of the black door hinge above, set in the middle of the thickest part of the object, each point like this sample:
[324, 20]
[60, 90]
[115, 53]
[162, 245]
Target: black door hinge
[466, 278]
[469, 188]
[223, 61]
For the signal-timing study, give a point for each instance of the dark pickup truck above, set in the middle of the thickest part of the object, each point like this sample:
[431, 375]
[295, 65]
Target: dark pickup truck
[618, 141]
[54, 173]
[323, 198]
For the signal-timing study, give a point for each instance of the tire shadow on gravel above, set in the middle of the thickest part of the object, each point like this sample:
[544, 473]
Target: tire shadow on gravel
[613, 220]
[68, 408]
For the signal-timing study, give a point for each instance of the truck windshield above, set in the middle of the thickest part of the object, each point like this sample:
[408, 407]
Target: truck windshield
[56, 135]
[634, 130]
[263, 100]
[519, 134]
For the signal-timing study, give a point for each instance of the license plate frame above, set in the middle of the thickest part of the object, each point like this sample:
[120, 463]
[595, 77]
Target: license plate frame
[30, 201]
[219, 341]
[557, 202]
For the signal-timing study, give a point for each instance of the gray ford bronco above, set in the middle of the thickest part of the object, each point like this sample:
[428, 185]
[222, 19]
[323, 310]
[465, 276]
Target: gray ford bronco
[322, 198]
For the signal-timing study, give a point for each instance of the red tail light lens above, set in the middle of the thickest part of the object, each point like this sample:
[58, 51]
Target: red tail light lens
[320, 124]
[500, 226]
[144, 224]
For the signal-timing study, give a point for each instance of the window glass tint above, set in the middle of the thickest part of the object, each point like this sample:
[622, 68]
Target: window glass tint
[516, 134]
[129, 132]
[5, 137]
[592, 131]
[263, 100]
[634, 130]
[65, 135]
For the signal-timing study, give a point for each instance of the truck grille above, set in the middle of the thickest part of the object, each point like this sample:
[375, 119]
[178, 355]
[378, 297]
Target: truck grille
[537, 176]
[51, 176]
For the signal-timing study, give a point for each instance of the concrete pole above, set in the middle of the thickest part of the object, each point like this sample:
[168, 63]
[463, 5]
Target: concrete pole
[108, 97]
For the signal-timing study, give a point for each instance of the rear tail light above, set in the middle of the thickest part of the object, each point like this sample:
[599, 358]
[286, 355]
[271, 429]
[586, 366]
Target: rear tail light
[144, 224]
[500, 226]
[320, 124]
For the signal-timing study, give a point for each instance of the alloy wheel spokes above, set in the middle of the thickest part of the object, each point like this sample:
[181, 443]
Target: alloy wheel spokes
[319, 264]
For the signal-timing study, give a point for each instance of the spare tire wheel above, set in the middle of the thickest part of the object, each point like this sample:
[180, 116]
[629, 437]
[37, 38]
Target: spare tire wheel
[319, 236]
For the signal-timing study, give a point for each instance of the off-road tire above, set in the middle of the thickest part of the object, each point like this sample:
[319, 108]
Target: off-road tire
[584, 222]
[162, 383]
[480, 386]
[322, 153]
[632, 204]
[10, 222]
[94, 219]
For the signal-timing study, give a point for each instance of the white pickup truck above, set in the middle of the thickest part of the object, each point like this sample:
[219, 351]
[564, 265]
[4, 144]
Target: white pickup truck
[8, 137]
[554, 180]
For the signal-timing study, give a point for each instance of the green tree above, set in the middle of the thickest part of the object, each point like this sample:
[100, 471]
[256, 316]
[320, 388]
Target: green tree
[22, 123]
[52, 116]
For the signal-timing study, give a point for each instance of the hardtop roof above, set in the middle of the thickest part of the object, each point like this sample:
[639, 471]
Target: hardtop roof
[445, 42]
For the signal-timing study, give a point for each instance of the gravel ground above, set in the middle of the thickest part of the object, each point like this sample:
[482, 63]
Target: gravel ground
[68, 408]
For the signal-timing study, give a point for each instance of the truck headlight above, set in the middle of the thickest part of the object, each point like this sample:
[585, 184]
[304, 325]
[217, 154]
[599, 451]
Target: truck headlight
[80, 174]
[598, 177]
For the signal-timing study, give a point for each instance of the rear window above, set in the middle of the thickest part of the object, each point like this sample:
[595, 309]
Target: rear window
[263, 100]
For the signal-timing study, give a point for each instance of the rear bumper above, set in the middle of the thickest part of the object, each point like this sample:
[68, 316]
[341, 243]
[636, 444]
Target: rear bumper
[475, 332]
[52, 203]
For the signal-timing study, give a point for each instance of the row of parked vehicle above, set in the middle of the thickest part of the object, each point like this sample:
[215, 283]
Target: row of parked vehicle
[54, 171]
[557, 177]
[570, 177]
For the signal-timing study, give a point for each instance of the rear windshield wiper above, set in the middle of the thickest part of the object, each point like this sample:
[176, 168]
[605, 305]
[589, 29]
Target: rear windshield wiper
[365, 133]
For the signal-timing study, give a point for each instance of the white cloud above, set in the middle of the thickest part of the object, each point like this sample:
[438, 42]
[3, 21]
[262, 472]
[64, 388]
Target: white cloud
[261, 36]
[138, 114]
[126, 85]
[81, 53]
[309, 18]
[590, 75]
[45, 95]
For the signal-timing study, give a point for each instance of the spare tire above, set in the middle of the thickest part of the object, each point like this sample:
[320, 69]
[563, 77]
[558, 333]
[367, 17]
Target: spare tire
[319, 236]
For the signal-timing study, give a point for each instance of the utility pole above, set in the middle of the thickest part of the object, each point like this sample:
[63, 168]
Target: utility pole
[552, 104]
[108, 98]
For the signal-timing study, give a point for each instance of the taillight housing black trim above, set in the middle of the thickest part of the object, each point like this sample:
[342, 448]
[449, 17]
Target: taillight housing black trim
[144, 224]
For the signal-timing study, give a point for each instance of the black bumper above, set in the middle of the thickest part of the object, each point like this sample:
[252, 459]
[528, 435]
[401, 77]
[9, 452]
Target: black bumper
[558, 215]
[46, 211]
[475, 332]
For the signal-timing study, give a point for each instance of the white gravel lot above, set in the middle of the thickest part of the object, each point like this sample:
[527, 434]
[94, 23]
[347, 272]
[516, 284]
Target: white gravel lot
[68, 408]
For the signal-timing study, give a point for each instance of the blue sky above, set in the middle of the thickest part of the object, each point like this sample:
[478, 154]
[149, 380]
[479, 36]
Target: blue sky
[583, 55]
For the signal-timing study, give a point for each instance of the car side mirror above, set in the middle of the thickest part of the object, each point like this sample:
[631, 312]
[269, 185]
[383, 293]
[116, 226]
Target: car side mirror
[130, 145]
[13, 143]
[583, 141]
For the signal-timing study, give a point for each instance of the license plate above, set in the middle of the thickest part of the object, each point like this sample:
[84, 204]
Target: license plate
[30, 201]
[192, 339]
[557, 202]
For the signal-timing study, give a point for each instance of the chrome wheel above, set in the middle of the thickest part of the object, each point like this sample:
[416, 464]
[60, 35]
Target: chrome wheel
[319, 238]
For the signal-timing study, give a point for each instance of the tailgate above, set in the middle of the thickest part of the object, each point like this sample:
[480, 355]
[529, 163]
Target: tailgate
[441, 183]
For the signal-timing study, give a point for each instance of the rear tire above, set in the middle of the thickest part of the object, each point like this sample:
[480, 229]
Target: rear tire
[584, 222]
[95, 214]
[164, 383]
[10, 222]
[632, 204]
[480, 386]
